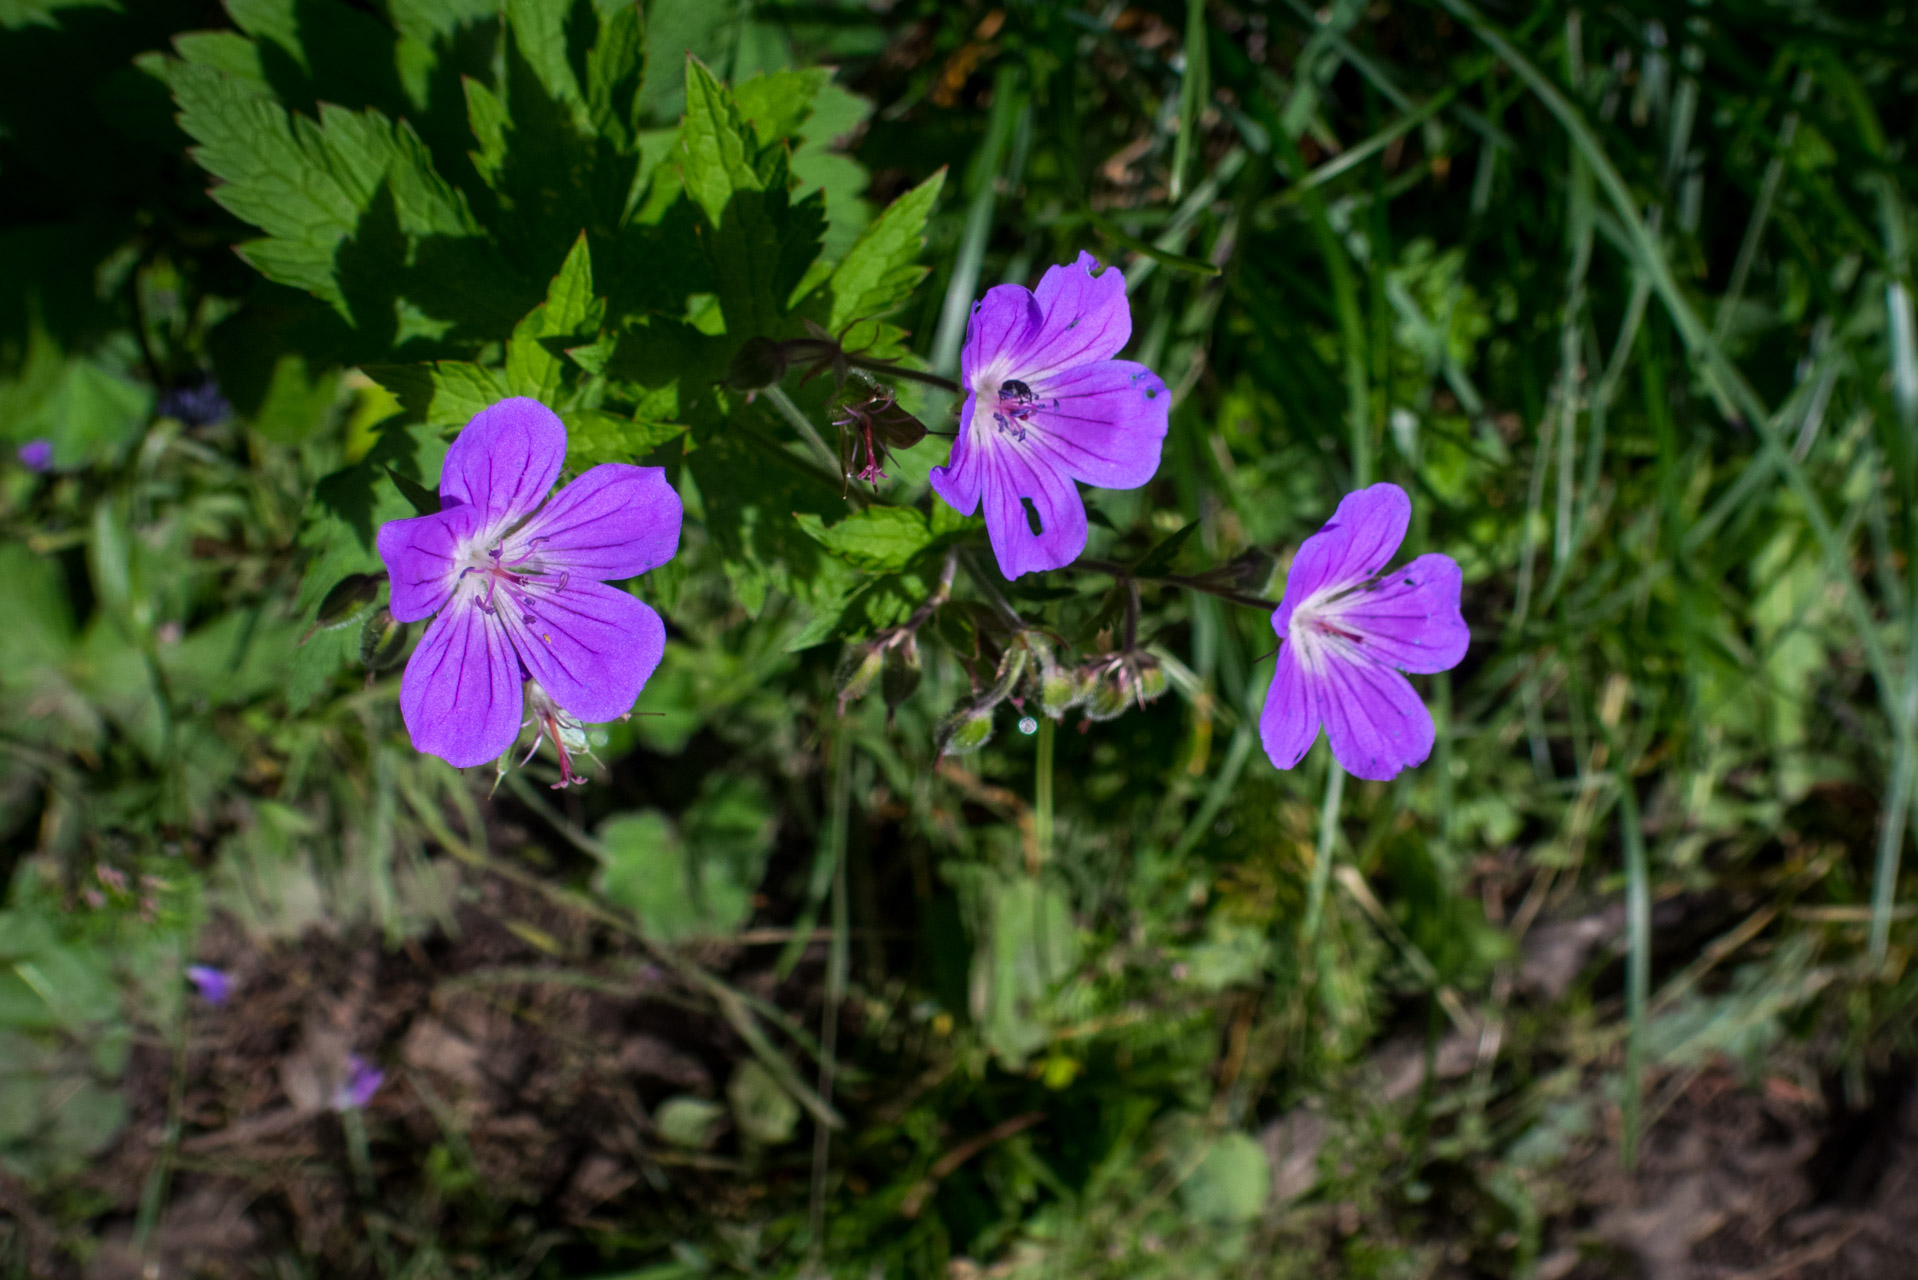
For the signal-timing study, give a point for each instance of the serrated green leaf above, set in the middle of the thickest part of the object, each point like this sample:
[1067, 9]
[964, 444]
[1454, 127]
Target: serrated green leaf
[40, 13]
[762, 242]
[878, 539]
[817, 162]
[676, 30]
[717, 149]
[570, 316]
[298, 401]
[445, 394]
[486, 116]
[351, 194]
[946, 521]
[594, 436]
[613, 68]
[777, 105]
[224, 51]
[882, 268]
[540, 30]
[693, 878]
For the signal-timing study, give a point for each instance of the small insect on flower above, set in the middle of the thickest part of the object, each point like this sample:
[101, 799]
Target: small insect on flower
[1047, 405]
[520, 588]
[1348, 628]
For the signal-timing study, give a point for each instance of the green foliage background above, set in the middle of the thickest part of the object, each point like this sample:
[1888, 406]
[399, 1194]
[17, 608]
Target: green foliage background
[1621, 295]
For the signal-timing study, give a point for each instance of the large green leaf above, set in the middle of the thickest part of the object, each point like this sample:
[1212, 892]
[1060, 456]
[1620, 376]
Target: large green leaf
[693, 878]
[882, 268]
[878, 539]
[570, 316]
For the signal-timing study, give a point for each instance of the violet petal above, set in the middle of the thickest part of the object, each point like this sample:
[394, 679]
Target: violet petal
[1109, 425]
[1012, 480]
[36, 455]
[1374, 718]
[460, 696]
[961, 480]
[1084, 318]
[1289, 724]
[214, 985]
[591, 646]
[615, 521]
[1001, 322]
[1410, 619]
[1358, 541]
[505, 460]
[361, 1082]
[422, 555]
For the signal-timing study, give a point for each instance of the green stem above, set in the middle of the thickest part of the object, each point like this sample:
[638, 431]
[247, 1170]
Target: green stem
[1891, 831]
[1638, 959]
[837, 963]
[892, 370]
[779, 400]
[1042, 790]
[1328, 837]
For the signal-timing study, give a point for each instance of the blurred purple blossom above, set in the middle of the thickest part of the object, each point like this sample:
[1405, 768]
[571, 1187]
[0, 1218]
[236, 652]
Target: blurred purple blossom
[520, 587]
[216, 986]
[36, 455]
[1347, 628]
[1047, 405]
[195, 404]
[361, 1082]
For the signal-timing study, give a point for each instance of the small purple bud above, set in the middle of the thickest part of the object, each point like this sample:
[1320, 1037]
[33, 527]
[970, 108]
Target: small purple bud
[362, 1081]
[216, 987]
[36, 455]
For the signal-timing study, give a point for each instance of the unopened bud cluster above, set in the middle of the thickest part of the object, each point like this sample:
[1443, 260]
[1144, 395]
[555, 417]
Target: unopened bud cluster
[890, 660]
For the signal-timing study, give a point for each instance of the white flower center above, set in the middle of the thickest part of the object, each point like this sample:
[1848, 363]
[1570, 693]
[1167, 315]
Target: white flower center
[1318, 629]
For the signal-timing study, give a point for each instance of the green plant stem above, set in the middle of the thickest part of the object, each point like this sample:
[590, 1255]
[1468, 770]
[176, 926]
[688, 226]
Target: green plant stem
[837, 964]
[1328, 839]
[891, 370]
[153, 1195]
[1236, 754]
[1117, 570]
[1042, 790]
[1638, 960]
[777, 397]
[1891, 831]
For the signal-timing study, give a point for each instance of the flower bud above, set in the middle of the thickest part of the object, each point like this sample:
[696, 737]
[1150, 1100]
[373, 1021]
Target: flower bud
[759, 364]
[1106, 696]
[382, 641]
[1149, 678]
[966, 729]
[859, 666]
[1058, 687]
[1121, 681]
[347, 600]
[901, 674]
[1059, 690]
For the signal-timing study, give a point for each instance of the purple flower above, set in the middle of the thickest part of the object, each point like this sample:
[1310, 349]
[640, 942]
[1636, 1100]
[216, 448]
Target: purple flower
[520, 588]
[36, 455]
[1046, 405]
[216, 987]
[196, 403]
[357, 1087]
[1347, 628]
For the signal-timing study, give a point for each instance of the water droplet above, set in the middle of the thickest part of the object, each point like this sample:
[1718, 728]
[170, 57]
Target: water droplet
[1028, 725]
